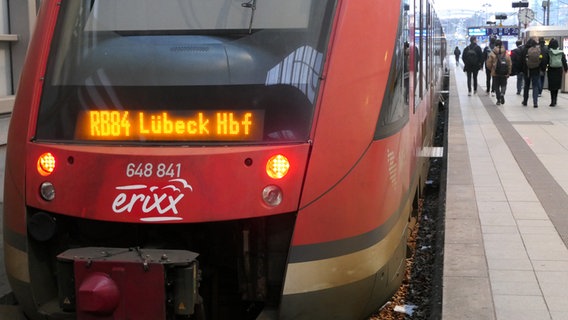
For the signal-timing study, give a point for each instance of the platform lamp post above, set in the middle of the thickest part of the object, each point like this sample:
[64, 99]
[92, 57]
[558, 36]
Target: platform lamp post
[490, 23]
[546, 10]
[501, 17]
[486, 5]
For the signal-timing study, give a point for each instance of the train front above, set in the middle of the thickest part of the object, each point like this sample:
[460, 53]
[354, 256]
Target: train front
[182, 160]
[156, 156]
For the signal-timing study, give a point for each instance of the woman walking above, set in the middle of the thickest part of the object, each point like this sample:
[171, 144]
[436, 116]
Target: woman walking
[556, 68]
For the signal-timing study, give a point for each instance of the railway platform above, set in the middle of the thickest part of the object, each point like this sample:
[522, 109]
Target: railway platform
[506, 226]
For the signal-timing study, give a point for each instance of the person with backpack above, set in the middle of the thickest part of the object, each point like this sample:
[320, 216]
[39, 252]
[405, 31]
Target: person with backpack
[457, 53]
[557, 66]
[488, 77]
[472, 58]
[531, 58]
[500, 65]
[517, 69]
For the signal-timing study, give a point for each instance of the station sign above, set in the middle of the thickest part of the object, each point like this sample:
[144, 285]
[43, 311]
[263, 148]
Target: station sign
[493, 31]
[476, 32]
[503, 31]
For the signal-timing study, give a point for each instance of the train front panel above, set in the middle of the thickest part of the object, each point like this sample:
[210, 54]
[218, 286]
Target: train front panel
[173, 160]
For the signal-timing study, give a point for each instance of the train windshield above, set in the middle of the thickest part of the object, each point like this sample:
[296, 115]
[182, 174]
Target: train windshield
[184, 71]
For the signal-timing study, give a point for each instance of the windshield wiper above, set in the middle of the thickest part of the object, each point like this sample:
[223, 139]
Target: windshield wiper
[251, 5]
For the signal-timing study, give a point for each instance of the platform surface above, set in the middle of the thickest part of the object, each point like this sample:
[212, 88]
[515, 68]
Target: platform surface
[506, 234]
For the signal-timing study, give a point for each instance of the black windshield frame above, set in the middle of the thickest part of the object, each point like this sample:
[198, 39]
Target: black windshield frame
[277, 71]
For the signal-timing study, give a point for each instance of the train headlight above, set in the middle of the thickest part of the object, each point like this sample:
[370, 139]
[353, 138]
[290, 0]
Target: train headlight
[46, 164]
[277, 166]
[47, 191]
[272, 195]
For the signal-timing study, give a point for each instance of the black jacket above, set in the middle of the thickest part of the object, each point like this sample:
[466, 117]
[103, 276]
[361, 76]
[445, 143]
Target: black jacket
[516, 59]
[478, 63]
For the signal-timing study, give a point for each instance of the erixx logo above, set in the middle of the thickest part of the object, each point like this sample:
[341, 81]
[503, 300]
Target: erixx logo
[154, 199]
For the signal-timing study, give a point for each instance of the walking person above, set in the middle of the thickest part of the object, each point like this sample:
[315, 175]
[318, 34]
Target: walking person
[500, 65]
[517, 69]
[532, 66]
[457, 53]
[472, 58]
[488, 77]
[556, 68]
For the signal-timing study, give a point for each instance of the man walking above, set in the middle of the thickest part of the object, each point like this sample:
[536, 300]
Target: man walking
[499, 63]
[516, 56]
[532, 59]
[472, 58]
[488, 77]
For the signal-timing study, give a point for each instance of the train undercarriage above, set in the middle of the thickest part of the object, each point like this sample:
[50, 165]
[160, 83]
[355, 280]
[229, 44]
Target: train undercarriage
[211, 270]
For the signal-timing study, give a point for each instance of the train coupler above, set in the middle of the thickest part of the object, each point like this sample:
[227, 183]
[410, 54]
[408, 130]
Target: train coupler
[128, 283]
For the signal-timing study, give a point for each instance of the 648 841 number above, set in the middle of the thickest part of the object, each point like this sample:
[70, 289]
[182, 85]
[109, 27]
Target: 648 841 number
[148, 170]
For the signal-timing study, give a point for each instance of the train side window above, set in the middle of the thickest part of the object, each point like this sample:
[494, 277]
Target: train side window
[428, 45]
[407, 20]
[394, 109]
[417, 36]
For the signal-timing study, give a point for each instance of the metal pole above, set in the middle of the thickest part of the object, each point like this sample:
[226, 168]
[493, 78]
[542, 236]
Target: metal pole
[548, 12]
[519, 23]
[544, 12]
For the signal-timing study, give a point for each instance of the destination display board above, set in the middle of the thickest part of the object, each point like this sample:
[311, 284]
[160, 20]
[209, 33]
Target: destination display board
[493, 31]
[164, 125]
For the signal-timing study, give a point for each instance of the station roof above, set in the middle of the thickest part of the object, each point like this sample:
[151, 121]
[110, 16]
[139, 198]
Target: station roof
[546, 31]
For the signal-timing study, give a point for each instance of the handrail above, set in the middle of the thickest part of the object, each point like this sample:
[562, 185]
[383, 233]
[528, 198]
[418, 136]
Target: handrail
[9, 37]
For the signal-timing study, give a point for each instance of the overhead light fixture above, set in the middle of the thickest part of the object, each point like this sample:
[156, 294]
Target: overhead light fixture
[520, 4]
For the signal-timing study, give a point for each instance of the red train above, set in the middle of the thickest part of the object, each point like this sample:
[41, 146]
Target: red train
[218, 159]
